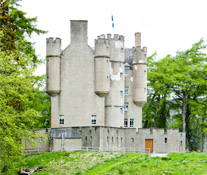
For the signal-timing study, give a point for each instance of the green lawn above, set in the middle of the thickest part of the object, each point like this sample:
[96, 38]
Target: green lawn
[92, 163]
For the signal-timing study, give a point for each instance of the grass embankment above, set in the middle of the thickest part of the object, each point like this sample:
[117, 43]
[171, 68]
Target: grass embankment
[87, 163]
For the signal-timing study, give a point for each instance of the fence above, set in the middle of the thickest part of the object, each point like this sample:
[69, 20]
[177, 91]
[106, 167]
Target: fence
[88, 149]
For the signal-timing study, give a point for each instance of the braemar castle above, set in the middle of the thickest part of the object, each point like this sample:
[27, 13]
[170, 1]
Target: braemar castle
[96, 87]
[97, 96]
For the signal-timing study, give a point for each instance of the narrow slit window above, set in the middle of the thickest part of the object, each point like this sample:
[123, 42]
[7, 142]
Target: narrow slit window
[121, 110]
[126, 90]
[121, 74]
[93, 119]
[165, 140]
[126, 106]
[126, 71]
[61, 119]
[121, 93]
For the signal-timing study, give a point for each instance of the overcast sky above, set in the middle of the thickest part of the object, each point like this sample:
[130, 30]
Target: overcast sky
[166, 25]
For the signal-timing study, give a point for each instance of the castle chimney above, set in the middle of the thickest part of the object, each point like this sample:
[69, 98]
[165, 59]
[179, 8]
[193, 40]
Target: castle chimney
[79, 31]
[138, 39]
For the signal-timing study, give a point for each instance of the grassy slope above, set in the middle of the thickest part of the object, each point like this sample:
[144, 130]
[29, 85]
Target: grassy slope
[88, 163]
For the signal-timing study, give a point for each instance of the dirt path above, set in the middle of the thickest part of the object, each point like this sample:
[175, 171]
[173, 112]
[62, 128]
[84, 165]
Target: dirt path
[107, 166]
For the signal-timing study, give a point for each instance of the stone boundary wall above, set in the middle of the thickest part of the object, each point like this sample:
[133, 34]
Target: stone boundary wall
[108, 139]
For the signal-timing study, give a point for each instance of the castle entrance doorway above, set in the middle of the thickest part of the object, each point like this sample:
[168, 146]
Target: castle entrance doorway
[149, 145]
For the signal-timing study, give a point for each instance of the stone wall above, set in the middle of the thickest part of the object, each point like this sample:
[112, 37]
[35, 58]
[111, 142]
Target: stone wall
[41, 143]
[110, 139]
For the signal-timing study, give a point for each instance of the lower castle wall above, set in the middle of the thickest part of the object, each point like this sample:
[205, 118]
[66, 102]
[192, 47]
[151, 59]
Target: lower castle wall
[41, 144]
[112, 139]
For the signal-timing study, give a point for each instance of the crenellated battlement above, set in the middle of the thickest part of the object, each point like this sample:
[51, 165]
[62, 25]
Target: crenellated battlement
[139, 55]
[102, 47]
[52, 40]
[53, 47]
[108, 37]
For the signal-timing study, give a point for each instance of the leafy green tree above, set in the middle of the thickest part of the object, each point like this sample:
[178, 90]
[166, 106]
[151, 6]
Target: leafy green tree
[157, 110]
[16, 118]
[177, 93]
[20, 91]
[40, 101]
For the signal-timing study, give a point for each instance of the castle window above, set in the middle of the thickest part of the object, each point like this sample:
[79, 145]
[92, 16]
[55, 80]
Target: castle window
[86, 138]
[131, 122]
[107, 139]
[126, 71]
[61, 119]
[125, 122]
[126, 90]
[121, 110]
[121, 93]
[122, 50]
[93, 119]
[165, 140]
[121, 74]
[132, 140]
[126, 106]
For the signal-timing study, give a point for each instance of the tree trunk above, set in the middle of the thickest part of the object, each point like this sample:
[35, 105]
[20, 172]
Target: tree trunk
[201, 136]
[156, 112]
[5, 168]
[184, 109]
[187, 128]
[201, 142]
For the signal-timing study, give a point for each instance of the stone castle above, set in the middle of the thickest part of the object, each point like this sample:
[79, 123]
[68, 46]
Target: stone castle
[97, 96]
[96, 87]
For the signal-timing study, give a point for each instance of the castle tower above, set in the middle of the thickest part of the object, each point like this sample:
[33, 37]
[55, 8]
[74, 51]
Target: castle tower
[78, 104]
[102, 71]
[115, 99]
[53, 66]
[139, 65]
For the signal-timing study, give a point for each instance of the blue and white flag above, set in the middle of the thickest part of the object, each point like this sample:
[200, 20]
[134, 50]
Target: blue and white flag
[112, 19]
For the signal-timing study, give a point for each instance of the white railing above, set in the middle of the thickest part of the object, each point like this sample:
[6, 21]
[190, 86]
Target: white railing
[88, 149]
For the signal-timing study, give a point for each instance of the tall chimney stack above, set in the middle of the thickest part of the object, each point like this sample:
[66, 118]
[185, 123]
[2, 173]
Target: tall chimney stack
[138, 39]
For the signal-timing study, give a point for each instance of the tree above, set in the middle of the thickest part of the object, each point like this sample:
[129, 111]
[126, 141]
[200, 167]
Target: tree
[16, 27]
[177, 93]
[16, 118]
[156, 112]
[19, 90]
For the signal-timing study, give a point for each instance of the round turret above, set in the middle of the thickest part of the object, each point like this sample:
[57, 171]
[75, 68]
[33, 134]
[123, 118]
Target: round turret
[53, 66]
[117, 48]
[139, 66]
[115, 99]
[102, 73]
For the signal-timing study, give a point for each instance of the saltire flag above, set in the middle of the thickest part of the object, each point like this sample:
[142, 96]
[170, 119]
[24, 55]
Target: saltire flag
[112, 19]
